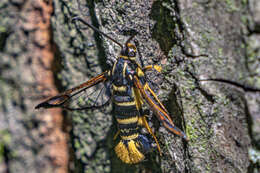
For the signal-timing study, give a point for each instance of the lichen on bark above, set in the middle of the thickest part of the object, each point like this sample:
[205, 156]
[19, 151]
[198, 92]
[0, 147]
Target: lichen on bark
[214, 115]
[192, 40]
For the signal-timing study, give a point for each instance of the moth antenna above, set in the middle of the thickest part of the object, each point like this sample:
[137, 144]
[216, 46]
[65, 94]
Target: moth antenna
[97, 30]
[130, 38]
[139, 52]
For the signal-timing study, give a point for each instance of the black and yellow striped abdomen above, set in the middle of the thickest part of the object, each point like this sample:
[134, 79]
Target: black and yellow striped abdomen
[127, 115]
[132, 144]
[126, 112]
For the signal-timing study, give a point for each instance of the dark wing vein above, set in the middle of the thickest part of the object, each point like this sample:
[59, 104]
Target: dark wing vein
[90, 98]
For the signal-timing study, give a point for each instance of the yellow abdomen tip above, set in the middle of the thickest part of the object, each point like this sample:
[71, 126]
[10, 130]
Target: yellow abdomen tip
[129, 152]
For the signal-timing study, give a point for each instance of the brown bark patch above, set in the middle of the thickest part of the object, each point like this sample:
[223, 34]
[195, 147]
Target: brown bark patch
[38, 15]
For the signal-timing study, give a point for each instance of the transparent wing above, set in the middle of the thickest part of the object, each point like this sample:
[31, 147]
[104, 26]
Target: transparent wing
[91, 98]
[92, 94]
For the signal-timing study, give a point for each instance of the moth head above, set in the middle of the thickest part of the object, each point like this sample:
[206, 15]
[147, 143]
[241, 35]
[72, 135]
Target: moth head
[130, 50]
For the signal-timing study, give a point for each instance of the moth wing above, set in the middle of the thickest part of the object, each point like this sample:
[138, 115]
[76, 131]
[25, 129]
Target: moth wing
[157, 107]
[93, 94]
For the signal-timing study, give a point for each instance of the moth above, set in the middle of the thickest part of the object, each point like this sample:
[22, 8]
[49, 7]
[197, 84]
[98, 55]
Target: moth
[126, 86]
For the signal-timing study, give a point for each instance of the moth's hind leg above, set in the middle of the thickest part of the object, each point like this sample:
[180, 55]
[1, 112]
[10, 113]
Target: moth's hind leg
[142, 121]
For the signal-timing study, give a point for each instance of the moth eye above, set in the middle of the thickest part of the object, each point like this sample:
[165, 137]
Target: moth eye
[131, 52]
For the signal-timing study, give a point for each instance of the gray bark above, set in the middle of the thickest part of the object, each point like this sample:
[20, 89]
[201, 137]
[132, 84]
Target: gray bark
[192, 40]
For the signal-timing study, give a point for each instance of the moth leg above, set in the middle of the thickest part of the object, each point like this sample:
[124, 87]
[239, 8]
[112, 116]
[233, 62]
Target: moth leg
[143, 122]
[116, 135]
[146, 87]
[150, 67]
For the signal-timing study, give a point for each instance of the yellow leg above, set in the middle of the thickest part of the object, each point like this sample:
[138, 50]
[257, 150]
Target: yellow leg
[146, 87]
[143, 122]
[116, 135]
[149, 67]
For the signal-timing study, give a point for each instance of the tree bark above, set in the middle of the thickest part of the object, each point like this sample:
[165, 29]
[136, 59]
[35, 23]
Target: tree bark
[209, 53]
[30, 141]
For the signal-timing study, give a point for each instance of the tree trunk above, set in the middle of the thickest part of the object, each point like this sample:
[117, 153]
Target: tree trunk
[210, 83]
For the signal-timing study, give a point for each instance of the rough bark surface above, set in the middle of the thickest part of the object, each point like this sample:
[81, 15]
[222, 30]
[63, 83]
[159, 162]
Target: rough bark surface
[209, 52]
[30, 141]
